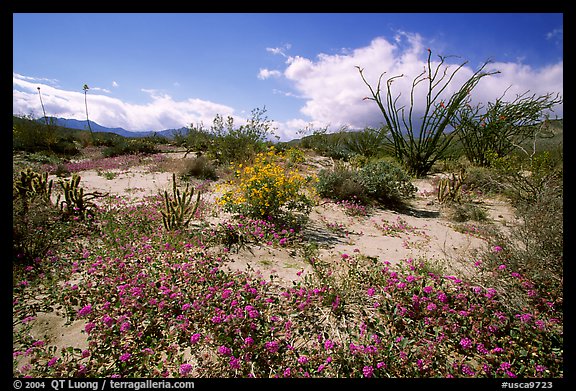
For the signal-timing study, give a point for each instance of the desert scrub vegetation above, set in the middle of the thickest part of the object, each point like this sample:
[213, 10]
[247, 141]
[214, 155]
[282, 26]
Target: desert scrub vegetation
[199, 167]
[225, 142]
[268, 188]
[184, 315]
[377, 181]
[155, 302]
[161, 303]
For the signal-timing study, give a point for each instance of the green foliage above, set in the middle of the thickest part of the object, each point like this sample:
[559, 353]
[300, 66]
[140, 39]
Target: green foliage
[238, 144]
[377, 181]
[327, 144]
[526, 179]
[178, 209]
[502, 126]
[77, 204]
[341, 183]
[269, 189]
[126, 146]
[386, 182]
[35, 226]
[462, 212]
[197, 139]
[368, 142]
[32, 136]
[419, 146]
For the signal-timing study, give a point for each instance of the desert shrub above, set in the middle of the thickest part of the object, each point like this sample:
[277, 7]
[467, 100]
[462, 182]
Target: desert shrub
[34, 218]
[536, 245]
[199, 167]
[481, 179]
[237, 144]
[294, 156]
[386, 182]
[331, 145]
[100, 139]
[198, 139]
[368, 142]
[32, 136]
[501, 126]
[35, 228]
[461, 212]
[341, 183]
[524, 179]
[267, 189]
[130, 147]
[377, 181]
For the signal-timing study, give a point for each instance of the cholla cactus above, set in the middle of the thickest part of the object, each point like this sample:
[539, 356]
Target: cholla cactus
[76, 202]
[449, 189]
[179, 209]
[31, 183]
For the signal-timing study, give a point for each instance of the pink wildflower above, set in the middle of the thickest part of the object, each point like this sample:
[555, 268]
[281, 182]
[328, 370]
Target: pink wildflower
[185, 369]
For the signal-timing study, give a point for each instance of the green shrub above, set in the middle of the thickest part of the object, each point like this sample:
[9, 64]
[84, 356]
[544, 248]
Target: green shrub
[199, 167]
[378, 181]
[386, 183]
[341, 183]
[130, 147]
[32, 136]
[467, 211]
[239, 144]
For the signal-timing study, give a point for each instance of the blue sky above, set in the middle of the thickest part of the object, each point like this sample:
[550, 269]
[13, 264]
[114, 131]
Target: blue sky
[153, 71]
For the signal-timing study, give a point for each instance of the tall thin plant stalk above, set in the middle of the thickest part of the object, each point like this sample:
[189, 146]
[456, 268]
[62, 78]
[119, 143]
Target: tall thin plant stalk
[42, 104]
[86, 88]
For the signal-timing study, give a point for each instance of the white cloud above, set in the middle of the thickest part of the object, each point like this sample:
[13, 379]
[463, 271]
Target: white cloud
[264, 73]
[333, 89]
[280, 50]
[101, 89]
[557, 33]
[35, 79]
[162, 112]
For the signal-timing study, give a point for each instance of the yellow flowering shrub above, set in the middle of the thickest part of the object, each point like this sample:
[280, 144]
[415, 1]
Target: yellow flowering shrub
[267, 188]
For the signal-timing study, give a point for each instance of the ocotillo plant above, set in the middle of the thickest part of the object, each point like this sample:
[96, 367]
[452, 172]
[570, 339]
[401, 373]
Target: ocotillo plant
[501, 126]
[419, 146]
[179, 209]
[77, 203]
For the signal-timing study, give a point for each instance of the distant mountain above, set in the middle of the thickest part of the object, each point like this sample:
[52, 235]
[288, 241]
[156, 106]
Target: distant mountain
[83, 125]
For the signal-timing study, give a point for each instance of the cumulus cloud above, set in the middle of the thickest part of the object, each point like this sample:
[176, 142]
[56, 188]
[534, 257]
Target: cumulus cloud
[264, 73]
[161, 112]
[333, 89]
